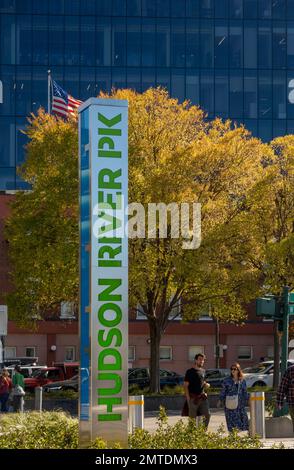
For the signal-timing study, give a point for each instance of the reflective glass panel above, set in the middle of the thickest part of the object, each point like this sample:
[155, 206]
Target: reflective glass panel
[178, 43]
[24, 40]
[40, 40]
[192, 43]
[133, 42]
[221, 45]
[148, 43]
[192, 86]
[7, 39]
[119, 39]
[206, 44]
[7, 142]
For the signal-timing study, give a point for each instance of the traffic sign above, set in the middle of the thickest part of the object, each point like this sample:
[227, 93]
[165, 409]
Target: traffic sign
[291, 310]
[266, 306]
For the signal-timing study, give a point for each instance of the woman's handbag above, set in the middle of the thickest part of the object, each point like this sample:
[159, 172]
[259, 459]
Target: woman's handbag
[232, 401]
[18, 391]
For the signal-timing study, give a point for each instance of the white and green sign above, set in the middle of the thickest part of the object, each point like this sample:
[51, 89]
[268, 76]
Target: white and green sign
[103, 410]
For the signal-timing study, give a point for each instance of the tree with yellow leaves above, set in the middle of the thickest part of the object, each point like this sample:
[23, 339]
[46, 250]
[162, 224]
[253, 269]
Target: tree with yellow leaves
[175, 156]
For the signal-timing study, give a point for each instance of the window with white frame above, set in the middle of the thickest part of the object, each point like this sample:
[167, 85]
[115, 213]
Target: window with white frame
[30, 351]
[67, 310]
[9, 352]
[175, 314]
[244, 353]
[132, 351]
[206, 315]
[70, 354]
[193, 350]
[165, 353]
[176, 311]
[3, 320]
[140, 315]
[270, 352]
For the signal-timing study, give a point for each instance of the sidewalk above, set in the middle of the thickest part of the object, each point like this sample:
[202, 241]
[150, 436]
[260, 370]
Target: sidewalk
[217, 419]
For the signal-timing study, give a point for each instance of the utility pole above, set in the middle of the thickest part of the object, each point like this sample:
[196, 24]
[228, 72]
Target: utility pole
[277, 351]
[285, 337]
[217, 351]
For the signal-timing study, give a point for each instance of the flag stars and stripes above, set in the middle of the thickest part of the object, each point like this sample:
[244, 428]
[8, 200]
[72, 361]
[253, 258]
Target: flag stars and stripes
[63, 104]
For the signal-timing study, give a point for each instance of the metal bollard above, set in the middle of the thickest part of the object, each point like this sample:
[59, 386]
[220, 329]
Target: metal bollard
[38, 398]
[136, 412]
[257, 418]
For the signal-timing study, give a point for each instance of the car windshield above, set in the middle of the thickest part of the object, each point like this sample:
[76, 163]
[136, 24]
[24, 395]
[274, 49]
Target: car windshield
[258, 368]
[38, 372]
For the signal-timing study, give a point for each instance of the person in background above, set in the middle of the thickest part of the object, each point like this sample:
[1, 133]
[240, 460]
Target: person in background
[194, 385]
[5, 389]
[234, 387]
[18, 390]
[286, 389]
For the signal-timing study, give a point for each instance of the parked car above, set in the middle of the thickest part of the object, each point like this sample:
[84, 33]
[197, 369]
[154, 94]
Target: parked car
[140, 376]
[69, 384]
[215, 377]
[52, 374]
[27, 371]
[261, 374]
[22, 360]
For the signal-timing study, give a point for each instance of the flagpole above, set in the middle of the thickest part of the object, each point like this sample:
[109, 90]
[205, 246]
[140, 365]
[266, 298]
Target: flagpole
[49, 92]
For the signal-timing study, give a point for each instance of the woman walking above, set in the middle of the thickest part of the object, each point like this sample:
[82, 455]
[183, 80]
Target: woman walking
[234, 396]
[5, 389]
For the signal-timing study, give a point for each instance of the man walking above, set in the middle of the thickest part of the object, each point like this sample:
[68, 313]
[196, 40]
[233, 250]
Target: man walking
[286, 389]
[194, 386]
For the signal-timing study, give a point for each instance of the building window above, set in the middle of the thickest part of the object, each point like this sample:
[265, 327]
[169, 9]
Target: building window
[244, 353]
[3, 320]
[70, 354]
[206, 315]
[165, 353]
[193, 350]
[175, 313]
[270, 352]
[140, 315]
[9, 352]
[67, 310]
[30, 351]
[132, 353]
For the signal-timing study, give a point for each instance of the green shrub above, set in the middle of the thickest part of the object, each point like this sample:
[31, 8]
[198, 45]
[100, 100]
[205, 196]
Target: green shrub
[33, 430]
[186, 435]
[56, 430]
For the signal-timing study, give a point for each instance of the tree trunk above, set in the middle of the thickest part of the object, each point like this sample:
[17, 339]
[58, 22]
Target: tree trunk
[155, 338]
[277, 347]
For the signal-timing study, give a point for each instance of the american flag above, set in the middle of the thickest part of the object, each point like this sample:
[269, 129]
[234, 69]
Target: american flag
[62, 103]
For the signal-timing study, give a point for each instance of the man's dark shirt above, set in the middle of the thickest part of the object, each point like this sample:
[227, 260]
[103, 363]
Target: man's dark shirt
[286, 388]
[195, 377]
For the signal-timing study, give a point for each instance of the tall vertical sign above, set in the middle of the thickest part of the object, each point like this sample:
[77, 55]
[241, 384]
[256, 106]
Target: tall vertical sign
[103, 149]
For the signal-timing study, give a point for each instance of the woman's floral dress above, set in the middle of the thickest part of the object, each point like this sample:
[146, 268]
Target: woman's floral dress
[235, 418]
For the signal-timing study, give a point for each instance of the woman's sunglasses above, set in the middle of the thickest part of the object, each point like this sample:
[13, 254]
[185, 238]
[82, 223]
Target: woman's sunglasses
[234, 368]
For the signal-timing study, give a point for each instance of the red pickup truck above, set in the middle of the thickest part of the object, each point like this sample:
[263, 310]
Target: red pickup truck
[56, 373]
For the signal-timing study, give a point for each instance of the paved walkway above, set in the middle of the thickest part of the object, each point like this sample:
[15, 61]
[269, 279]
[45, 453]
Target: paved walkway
[217, 419]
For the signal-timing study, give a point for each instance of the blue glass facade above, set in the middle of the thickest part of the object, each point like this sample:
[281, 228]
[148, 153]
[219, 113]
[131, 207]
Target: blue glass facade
[233, 57]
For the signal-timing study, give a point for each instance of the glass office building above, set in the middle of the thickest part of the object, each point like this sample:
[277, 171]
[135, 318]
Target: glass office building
[233, 57]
